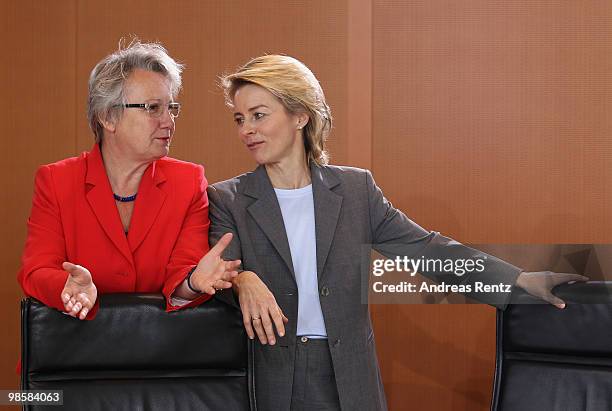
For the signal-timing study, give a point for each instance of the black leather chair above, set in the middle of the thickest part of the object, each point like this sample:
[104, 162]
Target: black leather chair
[135, 356]
[556, 360]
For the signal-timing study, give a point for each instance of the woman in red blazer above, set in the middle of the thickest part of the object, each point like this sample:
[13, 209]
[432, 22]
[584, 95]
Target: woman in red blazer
[124, 217]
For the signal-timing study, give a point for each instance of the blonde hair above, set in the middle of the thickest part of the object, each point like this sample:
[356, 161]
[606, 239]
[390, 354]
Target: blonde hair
[297, 89]
[107, 79]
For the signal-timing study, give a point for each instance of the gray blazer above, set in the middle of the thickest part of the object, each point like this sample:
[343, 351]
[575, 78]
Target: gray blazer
[350, 212]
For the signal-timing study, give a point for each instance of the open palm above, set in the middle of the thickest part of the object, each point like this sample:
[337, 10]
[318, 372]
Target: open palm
[212, 272]
[80, 293]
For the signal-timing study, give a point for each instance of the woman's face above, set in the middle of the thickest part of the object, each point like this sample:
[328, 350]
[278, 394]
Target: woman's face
[139, 135]
[270, 133]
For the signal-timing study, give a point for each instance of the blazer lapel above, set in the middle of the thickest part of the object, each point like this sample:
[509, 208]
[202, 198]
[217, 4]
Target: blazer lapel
[100, 198]
[327, 206]
[149, 202]
[267, 214]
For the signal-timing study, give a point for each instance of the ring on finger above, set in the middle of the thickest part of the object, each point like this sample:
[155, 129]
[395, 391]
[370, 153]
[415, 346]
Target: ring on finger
[255, 318]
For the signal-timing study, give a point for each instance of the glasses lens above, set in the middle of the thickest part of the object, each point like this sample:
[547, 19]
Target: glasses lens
[174, 109]
[154, 109]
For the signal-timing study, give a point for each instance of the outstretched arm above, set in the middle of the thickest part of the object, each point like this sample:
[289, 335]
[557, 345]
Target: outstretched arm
[394, 234]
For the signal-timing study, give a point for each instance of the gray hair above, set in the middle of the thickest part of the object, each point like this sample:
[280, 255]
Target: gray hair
[107, 80]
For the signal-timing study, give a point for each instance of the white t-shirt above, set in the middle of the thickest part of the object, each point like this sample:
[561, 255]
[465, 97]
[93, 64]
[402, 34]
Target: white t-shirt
[297, 208]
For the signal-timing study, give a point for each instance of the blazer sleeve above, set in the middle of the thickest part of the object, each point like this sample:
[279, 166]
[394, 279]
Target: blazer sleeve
[394, 234]
[222, 222]
[41, 275]
[191, 244]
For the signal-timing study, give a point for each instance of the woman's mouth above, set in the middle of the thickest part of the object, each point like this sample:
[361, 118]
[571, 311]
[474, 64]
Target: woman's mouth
[254, 145]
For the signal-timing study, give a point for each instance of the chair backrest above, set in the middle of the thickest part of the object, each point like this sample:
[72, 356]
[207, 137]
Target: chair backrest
[135, 356]
[551, 359]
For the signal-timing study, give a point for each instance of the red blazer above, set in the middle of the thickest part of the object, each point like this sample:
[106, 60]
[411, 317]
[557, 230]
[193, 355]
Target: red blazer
[74, 218]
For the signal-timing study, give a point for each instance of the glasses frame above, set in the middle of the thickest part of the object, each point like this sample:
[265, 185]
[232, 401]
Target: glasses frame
[147, 107]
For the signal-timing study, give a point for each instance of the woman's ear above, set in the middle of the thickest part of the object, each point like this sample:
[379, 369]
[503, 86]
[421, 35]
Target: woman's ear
[108, 123]
[302, 120]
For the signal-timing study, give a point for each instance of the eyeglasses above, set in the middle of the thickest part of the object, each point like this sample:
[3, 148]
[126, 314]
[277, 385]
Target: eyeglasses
[155, 109]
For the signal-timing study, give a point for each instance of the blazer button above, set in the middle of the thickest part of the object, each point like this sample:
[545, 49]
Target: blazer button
[337, 343]
[324, 291]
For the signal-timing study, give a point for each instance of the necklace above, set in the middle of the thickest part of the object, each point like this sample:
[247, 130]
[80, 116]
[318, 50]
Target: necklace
[125, 199]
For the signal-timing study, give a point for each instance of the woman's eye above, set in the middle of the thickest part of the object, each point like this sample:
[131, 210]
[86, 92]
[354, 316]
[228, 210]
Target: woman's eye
[154, 109]
[238, 120]
[257, 116]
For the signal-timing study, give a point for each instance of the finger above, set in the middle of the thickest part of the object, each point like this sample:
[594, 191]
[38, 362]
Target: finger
[77, 307]
[65, 298]
[223, 242]
[564, 278]
[261, 334]
[277, 317]
[71, 312]
[83, 314]
[227, 275]
[232, 265]
[220, 284]
[84, 300]
[246, 319]
[66, 301]
[68, 266]
[554, 300]
[77, 313]
[207, 288]
[72, 269]
[266, 322]
[210, 290]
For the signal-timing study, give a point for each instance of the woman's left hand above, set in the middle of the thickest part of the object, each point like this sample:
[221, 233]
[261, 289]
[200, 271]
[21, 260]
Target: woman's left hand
[212, 272]
[540, 284]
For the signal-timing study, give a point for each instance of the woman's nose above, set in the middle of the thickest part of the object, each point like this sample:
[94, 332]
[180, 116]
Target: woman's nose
[247, 128]
[166, 119]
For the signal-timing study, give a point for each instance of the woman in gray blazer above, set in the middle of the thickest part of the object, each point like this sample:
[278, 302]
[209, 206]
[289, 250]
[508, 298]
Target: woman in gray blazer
[299, 227]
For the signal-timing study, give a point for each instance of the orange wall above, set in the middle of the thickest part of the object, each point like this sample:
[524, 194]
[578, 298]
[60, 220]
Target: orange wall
[486, 121]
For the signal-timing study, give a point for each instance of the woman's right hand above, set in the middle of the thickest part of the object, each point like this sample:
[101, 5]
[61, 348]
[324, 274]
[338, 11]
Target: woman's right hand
[80, 293]
[259, 308]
